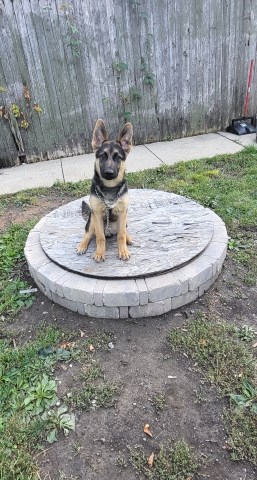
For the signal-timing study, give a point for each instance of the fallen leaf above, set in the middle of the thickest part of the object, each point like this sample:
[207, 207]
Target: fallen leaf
[147, 430]
[150, 460]
[82, 334]
[255, 345]
[203, 342]
[91, 348]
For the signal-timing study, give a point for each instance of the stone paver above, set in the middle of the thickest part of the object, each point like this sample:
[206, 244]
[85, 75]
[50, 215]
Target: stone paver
[151, 309]
[121, 293]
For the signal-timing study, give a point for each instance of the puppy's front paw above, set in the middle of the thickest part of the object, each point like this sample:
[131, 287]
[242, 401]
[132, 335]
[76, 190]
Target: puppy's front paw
[81, 248]
[99, 256]
[124, 253]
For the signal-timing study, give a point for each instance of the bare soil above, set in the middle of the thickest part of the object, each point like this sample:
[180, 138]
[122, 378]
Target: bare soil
[141, 362]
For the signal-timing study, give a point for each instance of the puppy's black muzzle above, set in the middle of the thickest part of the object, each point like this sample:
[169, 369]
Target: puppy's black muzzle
[109, 174]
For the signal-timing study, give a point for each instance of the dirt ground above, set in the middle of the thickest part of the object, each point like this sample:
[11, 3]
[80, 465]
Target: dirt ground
[141, 362]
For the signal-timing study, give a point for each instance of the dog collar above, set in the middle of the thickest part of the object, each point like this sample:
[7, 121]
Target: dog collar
[108, 205]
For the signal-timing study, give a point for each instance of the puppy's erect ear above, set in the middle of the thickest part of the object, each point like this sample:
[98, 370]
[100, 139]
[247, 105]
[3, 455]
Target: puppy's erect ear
[125, 137]
[99, 135]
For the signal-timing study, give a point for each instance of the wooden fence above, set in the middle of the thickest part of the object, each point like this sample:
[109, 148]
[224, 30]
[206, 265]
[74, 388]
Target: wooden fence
[173, 68]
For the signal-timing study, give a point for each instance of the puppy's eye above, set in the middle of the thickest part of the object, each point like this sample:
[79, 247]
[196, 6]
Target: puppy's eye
[116, 157]
[104, 156]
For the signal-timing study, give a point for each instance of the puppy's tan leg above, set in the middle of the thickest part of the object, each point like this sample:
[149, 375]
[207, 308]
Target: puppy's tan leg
[82, 246]
[100, 237]
[123, 236]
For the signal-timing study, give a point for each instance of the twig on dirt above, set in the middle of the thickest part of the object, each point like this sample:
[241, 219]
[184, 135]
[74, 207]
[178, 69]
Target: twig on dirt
[159, 434]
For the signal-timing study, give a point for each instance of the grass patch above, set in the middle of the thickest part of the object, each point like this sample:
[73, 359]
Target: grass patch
[94, 396]
[242, 249]
[12, 244]
[241, 427]
[101, 340]
[224, 358]
[170, 463]
[90, 371]
[28, 412]
[218, 351]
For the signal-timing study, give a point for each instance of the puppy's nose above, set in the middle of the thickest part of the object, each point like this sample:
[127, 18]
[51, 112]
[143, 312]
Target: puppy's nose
[109, 172]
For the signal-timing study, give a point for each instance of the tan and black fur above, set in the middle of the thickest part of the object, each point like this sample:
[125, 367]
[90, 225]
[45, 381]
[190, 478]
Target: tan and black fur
[107, 183]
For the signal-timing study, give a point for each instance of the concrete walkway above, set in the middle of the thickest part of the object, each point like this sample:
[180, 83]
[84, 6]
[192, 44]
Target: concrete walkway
[80, 167]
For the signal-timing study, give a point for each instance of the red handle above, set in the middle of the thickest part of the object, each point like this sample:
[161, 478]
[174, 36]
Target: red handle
[248, 88]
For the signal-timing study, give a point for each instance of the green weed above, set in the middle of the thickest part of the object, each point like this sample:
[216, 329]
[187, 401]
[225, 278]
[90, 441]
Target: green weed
[247, 398]
[159, 402]
[41, 396]
[246, 333]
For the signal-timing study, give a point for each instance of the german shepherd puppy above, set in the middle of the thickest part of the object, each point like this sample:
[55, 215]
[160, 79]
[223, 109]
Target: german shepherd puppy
[109, 192]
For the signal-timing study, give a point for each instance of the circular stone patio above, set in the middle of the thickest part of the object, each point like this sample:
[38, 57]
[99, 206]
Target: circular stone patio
[178, 251]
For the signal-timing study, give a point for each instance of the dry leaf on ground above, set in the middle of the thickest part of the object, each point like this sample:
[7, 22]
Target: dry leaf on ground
[67, 345]
[150, 460]
[147, 430]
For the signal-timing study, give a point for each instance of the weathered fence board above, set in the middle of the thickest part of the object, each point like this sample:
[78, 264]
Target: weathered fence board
[172, 68]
